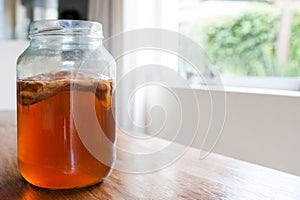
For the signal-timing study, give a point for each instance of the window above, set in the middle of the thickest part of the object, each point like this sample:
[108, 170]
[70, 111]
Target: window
[251, 43]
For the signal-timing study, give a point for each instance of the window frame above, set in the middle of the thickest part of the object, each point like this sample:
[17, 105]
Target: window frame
[265, 82]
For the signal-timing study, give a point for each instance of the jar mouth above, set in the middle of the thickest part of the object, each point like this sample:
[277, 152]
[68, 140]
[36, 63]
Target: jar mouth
[66, 27]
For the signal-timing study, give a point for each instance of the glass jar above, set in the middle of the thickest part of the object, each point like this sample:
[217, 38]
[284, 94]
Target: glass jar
[66, 128]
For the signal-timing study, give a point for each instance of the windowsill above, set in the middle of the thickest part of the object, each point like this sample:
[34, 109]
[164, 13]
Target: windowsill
[262, 91]
[249, 90]
[279, 86]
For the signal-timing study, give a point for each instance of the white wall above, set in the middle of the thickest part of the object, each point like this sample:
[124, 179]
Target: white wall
[9, 52]
[259, 128]
[262, 129]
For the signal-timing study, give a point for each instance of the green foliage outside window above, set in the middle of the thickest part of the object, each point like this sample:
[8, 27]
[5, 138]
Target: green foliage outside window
[246, 45]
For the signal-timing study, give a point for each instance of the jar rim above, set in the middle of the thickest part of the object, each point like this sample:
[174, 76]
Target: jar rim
[65, 27]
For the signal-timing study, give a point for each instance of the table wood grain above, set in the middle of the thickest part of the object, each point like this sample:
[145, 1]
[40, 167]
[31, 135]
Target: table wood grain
[215, 177]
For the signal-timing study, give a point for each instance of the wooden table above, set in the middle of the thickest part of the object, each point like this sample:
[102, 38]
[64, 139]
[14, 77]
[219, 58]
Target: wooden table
[215, 177]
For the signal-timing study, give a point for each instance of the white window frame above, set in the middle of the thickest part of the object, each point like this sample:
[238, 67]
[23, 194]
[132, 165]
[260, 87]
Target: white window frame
[273, 83]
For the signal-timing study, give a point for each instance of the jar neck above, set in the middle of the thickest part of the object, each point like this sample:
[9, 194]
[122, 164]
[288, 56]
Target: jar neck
[65, 41]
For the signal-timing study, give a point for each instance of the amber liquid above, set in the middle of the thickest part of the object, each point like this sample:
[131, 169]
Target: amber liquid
[50, 152]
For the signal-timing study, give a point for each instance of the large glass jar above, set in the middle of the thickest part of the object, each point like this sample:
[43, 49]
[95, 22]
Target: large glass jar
[66, 128]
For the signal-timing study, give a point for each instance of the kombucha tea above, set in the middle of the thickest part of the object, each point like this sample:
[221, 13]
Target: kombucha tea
[51, 153]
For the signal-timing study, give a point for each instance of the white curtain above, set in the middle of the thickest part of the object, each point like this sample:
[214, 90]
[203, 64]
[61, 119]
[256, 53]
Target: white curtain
[2, 13]
[109, 13]
[118, 16]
